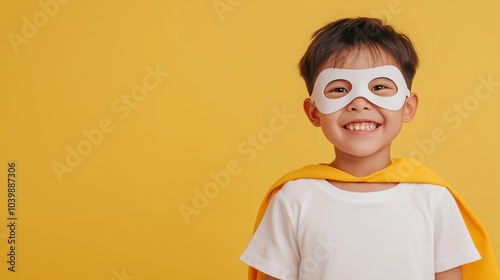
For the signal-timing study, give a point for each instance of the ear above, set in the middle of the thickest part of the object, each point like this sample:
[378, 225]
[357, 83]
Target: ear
[410, 107]
[311, 112]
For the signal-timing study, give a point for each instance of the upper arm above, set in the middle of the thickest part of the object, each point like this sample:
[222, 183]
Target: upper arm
[274, 249]
[452, 274]
[453, 244]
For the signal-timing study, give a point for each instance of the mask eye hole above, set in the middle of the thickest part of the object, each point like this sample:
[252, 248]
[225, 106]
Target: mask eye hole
[337, 89]
[384, 87]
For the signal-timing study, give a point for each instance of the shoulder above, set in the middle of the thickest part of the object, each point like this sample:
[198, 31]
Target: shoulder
[300, 188]
[428, 188]
[429, 192]
[301, 184]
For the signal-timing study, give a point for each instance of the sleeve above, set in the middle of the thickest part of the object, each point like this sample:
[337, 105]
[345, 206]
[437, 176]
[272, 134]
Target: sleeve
[453, 245]
[273, 248]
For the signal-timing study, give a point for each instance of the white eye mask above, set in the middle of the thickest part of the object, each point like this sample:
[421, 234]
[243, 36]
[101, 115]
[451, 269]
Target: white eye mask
[359, 80]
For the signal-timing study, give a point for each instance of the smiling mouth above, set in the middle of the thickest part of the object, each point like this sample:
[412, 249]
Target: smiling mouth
[362, 126]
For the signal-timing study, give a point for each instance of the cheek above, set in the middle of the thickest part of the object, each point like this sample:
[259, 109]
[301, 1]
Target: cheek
[330, 127]
[330, 121]
[394, 122]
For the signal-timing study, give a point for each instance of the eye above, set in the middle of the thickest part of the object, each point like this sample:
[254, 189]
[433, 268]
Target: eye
[337, 89]
[379, 87]
[383, 87]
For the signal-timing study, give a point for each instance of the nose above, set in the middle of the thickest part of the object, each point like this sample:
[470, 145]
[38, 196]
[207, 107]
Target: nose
[359, 104]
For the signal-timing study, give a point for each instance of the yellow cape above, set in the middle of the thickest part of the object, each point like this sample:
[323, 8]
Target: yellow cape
[401, 170]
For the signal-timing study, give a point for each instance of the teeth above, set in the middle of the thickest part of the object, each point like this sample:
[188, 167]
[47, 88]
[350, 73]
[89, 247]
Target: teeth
[361, 126]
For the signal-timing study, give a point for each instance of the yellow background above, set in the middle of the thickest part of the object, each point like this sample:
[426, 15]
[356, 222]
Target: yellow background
[231, 73]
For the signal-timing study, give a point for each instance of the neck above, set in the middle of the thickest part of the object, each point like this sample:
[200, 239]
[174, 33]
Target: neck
[361, 166]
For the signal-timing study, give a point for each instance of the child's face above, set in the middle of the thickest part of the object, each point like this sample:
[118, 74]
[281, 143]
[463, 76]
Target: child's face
[362, 129]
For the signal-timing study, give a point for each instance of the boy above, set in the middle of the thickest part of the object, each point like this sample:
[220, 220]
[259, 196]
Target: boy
[365, 216]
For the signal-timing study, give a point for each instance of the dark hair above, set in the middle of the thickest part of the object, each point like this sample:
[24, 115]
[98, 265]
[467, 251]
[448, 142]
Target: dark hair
[340, 38]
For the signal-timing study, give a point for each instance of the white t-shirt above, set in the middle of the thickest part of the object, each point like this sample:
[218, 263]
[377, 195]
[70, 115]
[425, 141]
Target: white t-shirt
[313, 230]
